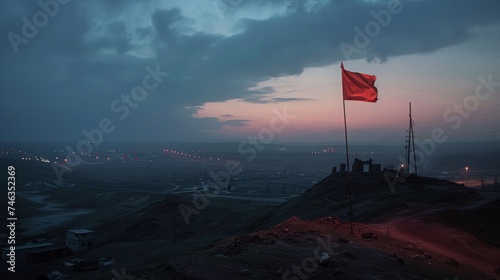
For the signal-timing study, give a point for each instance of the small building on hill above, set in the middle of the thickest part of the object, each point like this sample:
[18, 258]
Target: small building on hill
[80, 240]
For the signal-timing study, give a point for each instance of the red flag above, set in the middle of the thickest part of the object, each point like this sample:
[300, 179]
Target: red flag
[358, 86]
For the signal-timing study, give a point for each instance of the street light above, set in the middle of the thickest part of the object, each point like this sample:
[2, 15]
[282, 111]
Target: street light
[466, 174]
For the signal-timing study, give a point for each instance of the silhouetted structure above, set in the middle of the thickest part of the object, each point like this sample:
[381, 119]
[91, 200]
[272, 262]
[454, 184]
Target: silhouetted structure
[411, 142]
[342, 169]
[358, 167]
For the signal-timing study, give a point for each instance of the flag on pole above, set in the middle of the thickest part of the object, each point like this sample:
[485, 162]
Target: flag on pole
[359, 86]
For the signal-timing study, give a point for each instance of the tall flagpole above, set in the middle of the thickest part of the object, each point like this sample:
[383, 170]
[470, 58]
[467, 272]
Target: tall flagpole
[347, 158]
[359, 87]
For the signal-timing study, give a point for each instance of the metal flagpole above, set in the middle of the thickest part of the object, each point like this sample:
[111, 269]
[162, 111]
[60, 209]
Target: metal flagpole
[347, 158]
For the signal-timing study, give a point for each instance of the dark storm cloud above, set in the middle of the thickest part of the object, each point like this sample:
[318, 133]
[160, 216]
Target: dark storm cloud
[286, 45]
[66, 77]
[164, 21]
[57, 84]
[114, 36]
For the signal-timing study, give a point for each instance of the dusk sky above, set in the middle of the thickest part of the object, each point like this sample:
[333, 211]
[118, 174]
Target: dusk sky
[231, 63]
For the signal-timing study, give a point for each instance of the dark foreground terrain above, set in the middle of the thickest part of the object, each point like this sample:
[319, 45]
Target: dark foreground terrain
[404, 228]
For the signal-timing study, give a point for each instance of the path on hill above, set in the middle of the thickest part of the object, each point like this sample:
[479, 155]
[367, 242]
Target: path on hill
[422, 231]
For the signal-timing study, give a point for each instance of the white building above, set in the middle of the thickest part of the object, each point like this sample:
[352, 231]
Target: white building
[80, 240]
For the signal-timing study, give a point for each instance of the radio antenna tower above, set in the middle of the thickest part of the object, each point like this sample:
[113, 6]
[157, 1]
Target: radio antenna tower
[411, 144]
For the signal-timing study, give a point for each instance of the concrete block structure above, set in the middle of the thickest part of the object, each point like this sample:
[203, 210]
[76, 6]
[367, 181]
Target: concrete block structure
[80, 240]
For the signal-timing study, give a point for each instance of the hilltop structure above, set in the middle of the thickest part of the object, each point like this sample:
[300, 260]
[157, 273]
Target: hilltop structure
[358, 166]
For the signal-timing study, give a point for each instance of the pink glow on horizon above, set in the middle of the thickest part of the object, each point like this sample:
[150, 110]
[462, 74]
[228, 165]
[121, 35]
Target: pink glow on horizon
[319, 109]
[311, 117]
